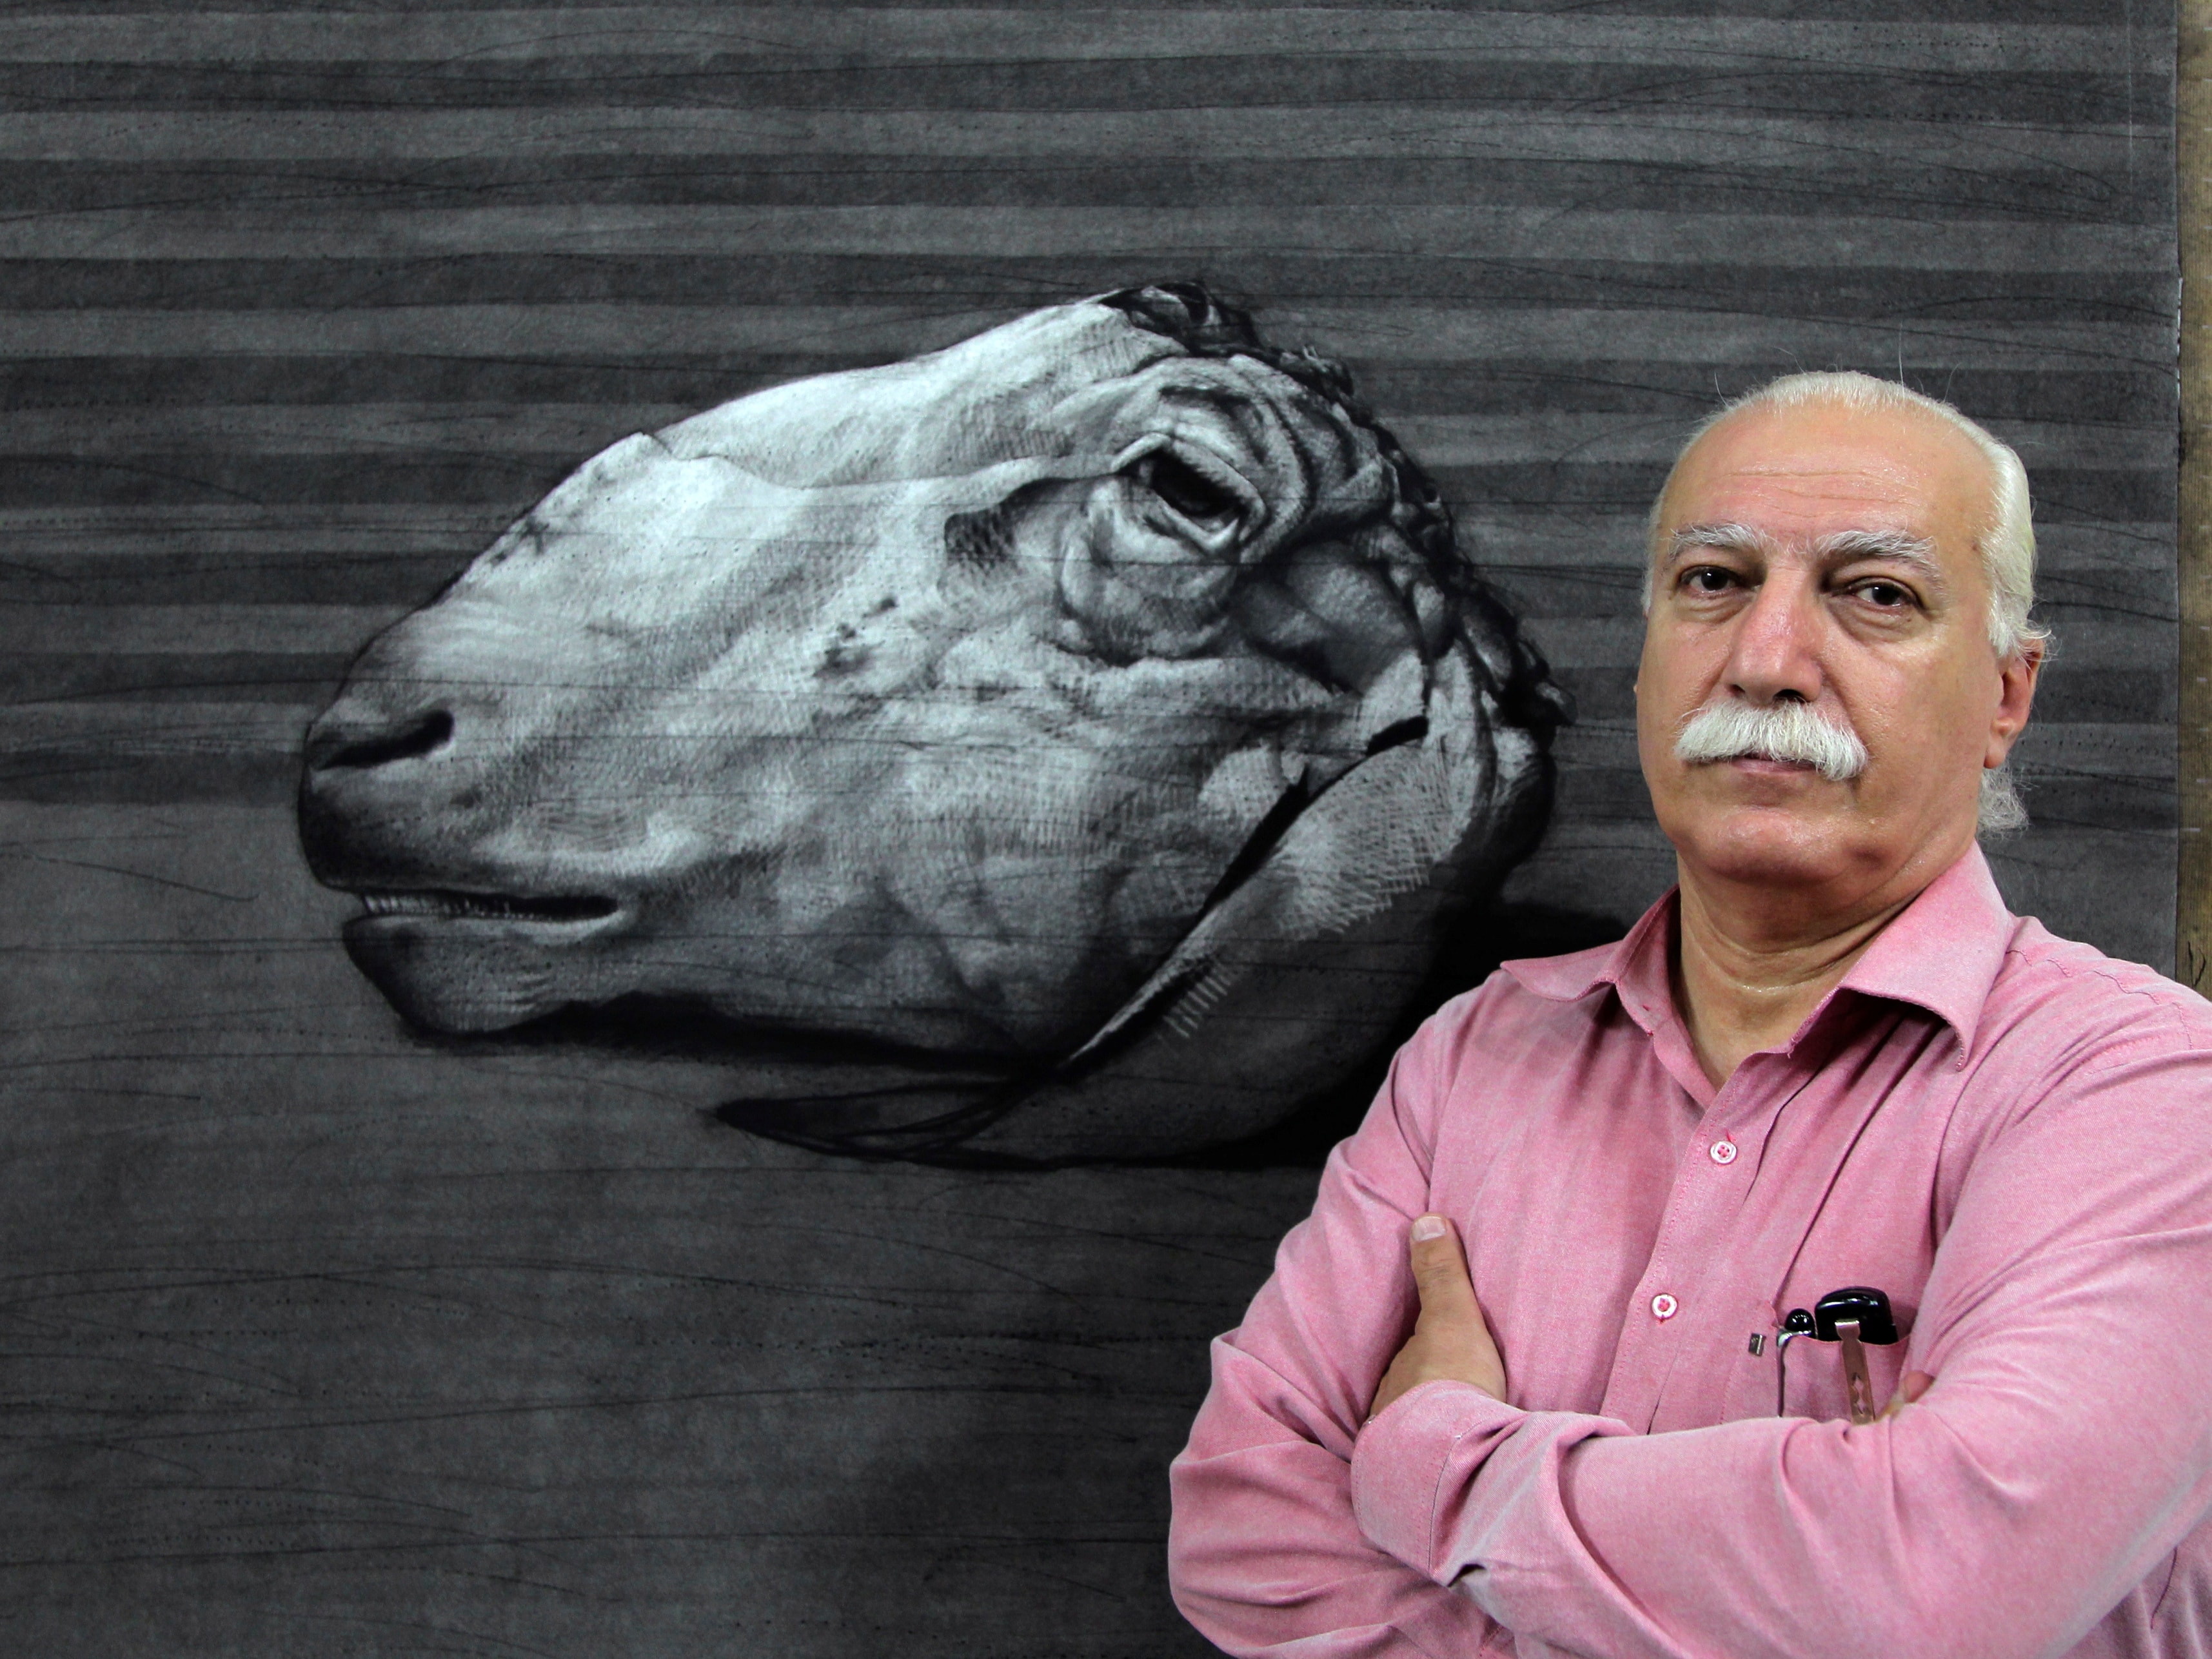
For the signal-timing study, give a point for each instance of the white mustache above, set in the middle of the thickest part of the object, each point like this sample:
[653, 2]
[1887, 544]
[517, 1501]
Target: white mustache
[1786, 731]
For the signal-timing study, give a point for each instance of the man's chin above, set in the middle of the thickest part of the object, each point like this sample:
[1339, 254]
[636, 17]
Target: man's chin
[1799, 842]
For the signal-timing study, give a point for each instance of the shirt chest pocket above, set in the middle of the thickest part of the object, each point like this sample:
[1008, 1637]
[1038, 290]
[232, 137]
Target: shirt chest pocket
[1844, 1249]
[1806, 1378]
[1813, 1379]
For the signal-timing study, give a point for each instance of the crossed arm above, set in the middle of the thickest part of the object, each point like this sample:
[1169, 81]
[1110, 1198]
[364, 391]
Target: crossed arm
[1451, 1341]
[2066, 1449]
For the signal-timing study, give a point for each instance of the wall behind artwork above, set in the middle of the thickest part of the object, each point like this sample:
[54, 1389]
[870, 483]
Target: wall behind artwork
[326, 1338]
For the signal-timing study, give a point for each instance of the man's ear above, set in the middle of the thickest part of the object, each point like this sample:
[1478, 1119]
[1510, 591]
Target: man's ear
[2015, 698]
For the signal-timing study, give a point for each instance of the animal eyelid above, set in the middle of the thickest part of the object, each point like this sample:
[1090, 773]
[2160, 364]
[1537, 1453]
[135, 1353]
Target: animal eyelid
[1186, 489]
[1197, 458]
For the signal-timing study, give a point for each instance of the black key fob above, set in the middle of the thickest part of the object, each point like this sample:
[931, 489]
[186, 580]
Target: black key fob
[1854, 1315]
[1868, 1307]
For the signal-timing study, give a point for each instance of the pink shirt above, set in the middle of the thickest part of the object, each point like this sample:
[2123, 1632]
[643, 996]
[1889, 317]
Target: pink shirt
[2009, 1133]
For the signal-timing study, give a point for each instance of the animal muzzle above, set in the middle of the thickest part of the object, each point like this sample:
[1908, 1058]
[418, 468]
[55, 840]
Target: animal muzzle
[379, 776]
[392, 807]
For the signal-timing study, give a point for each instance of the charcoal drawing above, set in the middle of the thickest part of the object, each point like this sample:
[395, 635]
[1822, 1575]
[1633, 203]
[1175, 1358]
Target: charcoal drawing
[1104, 700]
[732, 1315]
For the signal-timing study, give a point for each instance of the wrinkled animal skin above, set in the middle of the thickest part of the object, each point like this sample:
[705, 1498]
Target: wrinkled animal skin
[1101, 704]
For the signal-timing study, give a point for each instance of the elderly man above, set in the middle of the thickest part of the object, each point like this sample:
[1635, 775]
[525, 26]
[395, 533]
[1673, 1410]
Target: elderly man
[1829, 1059]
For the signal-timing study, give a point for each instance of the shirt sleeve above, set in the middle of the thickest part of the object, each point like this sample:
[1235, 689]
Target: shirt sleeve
[1265, 1556]
[2065, 1450]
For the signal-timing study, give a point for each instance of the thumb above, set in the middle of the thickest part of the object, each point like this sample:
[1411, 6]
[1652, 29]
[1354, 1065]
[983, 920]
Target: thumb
[1440, 1270]
[1910, 1388]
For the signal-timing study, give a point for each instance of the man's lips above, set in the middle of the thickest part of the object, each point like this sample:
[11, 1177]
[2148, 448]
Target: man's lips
[1765, 766]
[1755, 771]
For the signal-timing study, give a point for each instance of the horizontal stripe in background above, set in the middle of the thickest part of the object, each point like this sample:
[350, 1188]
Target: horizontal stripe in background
[297, 308]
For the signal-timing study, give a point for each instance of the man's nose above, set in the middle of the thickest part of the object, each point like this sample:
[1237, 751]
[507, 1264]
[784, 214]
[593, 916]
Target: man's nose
[1775, 652]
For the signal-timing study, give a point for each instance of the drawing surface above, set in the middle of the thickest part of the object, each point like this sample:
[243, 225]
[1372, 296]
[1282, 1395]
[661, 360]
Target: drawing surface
[345, 1327]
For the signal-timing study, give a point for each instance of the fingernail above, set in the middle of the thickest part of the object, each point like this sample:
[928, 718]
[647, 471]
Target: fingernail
[1427, 1227]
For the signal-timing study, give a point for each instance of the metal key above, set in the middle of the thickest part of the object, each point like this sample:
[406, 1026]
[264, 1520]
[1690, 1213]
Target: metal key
[1853, 1316]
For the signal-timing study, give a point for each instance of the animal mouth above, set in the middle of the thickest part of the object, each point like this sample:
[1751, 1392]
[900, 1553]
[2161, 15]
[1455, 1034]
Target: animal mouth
[445, 904]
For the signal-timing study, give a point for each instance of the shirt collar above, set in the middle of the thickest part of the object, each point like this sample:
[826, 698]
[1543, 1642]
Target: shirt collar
[1941, 953]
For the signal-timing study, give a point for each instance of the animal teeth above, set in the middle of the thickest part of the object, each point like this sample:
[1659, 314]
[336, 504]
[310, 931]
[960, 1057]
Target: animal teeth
[447, 904]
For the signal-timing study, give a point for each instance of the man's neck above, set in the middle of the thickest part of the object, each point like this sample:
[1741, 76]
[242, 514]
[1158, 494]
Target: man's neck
[1747, 981]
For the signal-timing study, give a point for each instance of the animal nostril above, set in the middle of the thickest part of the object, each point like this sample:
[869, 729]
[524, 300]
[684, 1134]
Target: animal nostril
[422, 736]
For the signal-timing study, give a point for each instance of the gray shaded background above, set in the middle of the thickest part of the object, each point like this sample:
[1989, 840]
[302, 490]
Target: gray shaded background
[325, 1340]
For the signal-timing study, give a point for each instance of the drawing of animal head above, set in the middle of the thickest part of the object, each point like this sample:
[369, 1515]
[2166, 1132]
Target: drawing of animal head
[1102, 703]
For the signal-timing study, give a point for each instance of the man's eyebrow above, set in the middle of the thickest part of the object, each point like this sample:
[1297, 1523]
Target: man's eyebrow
[1723, 537]
[1899, 546]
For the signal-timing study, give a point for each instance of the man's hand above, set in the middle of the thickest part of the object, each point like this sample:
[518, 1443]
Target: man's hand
[1450, 1342]
[1910, 1388]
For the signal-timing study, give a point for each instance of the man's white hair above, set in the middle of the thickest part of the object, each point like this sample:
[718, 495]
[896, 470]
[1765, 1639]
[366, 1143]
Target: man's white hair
[2006, 540]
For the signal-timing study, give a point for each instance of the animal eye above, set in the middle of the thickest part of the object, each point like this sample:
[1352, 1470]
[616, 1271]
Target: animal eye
[1188, 490]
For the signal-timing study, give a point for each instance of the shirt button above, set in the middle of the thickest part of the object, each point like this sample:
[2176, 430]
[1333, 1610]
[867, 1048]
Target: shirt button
[1663, 1306]
[1724, 1151]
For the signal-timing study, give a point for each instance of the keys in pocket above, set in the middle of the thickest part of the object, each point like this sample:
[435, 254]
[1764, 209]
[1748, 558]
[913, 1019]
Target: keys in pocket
[1850, 1318]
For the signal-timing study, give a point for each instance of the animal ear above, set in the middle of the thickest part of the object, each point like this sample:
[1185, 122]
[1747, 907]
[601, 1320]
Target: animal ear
[1324, 609]
[1298, 971]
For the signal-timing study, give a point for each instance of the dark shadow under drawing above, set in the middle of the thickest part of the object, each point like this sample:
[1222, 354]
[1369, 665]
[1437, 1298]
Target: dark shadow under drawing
[1076, 743]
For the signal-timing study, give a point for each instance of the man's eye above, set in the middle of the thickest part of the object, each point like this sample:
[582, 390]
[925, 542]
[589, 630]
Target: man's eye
[1188, 490]
[1708, 579]
[1888, 595]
